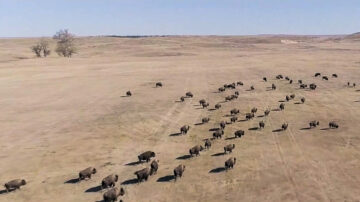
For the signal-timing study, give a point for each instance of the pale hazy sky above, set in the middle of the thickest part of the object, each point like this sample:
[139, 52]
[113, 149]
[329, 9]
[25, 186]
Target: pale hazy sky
[178, 17]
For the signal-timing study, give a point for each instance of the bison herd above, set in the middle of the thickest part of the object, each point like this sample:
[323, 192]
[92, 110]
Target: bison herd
[109, 182]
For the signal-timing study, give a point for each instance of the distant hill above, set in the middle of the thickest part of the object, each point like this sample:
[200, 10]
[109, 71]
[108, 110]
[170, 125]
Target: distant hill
[355, 36]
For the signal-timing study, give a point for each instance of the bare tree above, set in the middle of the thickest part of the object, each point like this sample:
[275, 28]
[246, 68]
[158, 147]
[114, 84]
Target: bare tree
[65, 43]
[41, 47]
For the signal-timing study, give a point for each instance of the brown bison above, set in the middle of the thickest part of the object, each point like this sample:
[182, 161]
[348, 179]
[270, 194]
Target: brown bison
[230, 163]
[333, 124]
[302, 100]
[273, 87]
[207, 144]
[189, 94]
[184, 129]
[154, 166]
[303, 86]
[284, 126]
[205, 105]
[218, 134]
[109, 181]
[222, 125]
[205, 120]
[86, 173]
[261, 124]
[146, 156]
[179, 171]
[217, 106]
[158, 84]
[266, 112]
[143, 174]
[234, 111]
[14, 184]
[254, 110]
[229, 148]
[312, 86]
[265, 79]
[317, 74]
[249, 116]
[239, 133]
[233, 119]
[313, 124]
[334, 75]
[282, 106]
[239, 83]
[202, 101]
[128, 93]
[196, 150]
[113, 194]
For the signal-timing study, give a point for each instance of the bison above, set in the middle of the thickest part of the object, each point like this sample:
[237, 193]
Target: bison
[302, 100]
[179, 171]
[217, 106]
[128, 93]
[334, 75]
[229, 148]
[86, 173]
[158, 84]
[189, 94]
[184, 129]
[233, 119]
[205, 120]
[146, 156]
[154, 166]
[333, 124]
[196, 150]
[218, 134]
[265, 79]
[239, 83]
[266, 112]
[202, 101]
[230, 163]
[239, 133]
[249, 116]
[313, 124]
[325, 78]
[254, 110]
[303, 86]
[273, 87]
[284, 126]
[234, 111]
[222, 125]
[109, 181]
[282, 106]
[113, 194]
[207, 144]
[317, 74]
[143, 174]
[312, 86]
[14, 184]
[261, 124]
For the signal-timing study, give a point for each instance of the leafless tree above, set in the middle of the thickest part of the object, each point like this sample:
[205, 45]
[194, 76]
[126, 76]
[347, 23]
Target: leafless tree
[65, 43]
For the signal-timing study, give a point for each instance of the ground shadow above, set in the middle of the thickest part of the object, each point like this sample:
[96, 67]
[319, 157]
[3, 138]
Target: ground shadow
[214, 129]
[325, 129]
[297, 103]
[183, 157]
[211, 109]
[166, 178]
[218, 154]
[254, 128]
[178, 101]
[94, 189]
[196, 124]
[124, 96]
[306, 128]
[281, 101]
[357, 101]
[4, 191]
[275, 110]
[277, 130]
[217, 170]
[133, 163]
[260, 116]
[230, 138]
[72, 181]
[222, 102]
[131, 181]
[175, 134]
[199, 108]
[242, 120]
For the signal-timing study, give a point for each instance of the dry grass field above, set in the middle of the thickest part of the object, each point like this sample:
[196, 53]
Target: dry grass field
[60, 115]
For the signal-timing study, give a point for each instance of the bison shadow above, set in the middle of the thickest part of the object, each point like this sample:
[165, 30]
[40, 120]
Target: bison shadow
[131, 181]
[357, 101]
[134, 163]
[219, 154]
[306, 128]
[217, 170]
[325, 129]
[230, 138]
[254, 128]
[4, 191]
[175, 134]
[178, 101]
[166, 178]
[242, 120]
[200, 108]
[260, 116]
[124, 96]
[277, 130]
[72, 181]
[197, 124]
[275, 110]
[281, 101]
[297, 103]
[94, 189]
[214, 129]
[183, 157]
[228, 115]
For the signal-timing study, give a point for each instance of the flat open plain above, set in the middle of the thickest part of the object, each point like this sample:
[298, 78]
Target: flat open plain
[59, 116]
